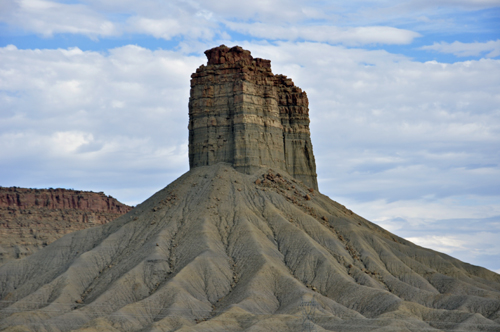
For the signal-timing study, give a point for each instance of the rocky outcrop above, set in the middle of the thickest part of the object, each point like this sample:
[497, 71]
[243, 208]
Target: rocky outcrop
[30, 219]
[25, 198]
[241, 113]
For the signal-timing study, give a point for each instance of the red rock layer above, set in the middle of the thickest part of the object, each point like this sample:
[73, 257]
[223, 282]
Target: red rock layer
[25, 198]
[30, 219]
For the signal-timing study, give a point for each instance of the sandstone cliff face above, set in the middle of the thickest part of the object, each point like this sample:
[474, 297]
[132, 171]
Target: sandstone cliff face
[30, 219]
[241, 113]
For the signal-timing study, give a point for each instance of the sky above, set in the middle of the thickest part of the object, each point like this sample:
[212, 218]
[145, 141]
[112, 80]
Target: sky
[404, 100]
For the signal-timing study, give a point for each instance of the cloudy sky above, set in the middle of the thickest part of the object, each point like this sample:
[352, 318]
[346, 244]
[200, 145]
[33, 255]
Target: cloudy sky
[404, 101]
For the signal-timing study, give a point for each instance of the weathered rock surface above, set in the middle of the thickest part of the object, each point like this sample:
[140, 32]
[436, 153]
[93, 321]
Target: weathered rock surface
[219, 250]
[30, 219]
[242, 114]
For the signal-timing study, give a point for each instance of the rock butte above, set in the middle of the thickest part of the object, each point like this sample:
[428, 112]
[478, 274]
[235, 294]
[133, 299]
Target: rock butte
[242, 114]
[243, 248]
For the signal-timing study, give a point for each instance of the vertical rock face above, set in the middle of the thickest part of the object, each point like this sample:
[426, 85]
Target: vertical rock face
[241, 113]
[27, 198]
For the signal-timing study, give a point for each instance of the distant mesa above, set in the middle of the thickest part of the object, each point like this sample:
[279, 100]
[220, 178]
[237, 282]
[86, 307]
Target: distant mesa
[242, 114]
[30, 219]
[59, 198]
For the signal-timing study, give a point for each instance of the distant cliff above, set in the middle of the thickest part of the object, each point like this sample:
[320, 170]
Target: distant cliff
[30, 219]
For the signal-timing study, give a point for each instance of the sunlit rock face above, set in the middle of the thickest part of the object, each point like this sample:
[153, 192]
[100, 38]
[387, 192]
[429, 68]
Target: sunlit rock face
[242, 114]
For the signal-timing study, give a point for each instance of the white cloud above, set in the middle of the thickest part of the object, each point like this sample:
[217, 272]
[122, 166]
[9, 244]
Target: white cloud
[275, 11]
[278, 11]
[169, 27]
[350, 23]
[69, 141]
[425, 211]
[97, 19]
[470, 4]
[471, 240]
[490, 49]
[163, 28]
[446, 244]
[49, 17]
[481, 248]
[331, 34]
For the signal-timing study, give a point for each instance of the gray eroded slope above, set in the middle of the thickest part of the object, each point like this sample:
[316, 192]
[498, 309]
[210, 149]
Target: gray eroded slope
[216, 251]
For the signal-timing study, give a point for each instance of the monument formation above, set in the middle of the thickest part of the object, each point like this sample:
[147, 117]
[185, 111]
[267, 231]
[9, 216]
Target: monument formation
[244, 241]
[242, 114]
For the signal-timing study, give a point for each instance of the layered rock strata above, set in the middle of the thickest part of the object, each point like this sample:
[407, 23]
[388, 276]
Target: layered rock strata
[30, 219]
[242, 114]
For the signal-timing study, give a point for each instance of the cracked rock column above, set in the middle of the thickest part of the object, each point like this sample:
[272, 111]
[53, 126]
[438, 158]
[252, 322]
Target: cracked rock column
[242, 114]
